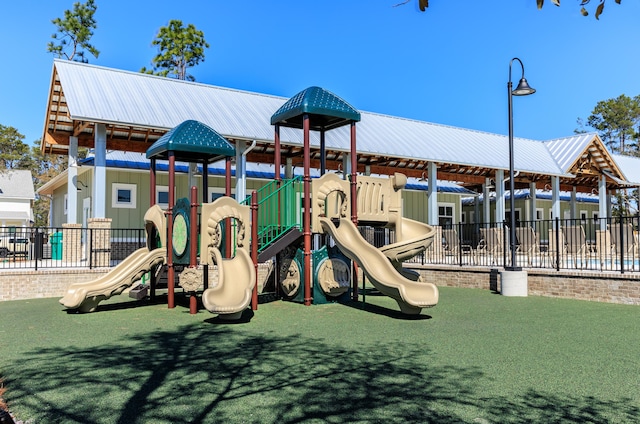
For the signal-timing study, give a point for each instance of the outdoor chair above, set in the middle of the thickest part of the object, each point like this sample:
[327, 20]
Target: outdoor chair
[557, 247]
[528, 244]
[604, 246]
[624, 242]
[452, 246]
[491, 244]
[576, 241]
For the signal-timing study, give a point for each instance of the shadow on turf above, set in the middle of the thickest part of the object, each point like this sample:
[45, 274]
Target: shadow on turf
[211, 374]
[381, 310]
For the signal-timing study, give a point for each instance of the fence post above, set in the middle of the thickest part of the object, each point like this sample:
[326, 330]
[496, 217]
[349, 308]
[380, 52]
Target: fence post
[558, 247]
[90, 241]
[100, 241]
[38, 248]
[623, 246]
[459, 232]
[505, 242]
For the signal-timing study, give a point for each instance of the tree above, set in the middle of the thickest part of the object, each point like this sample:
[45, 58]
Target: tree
[13, 150]
[615, 121]
[74, 32]
[44, 168]
[423, 4]
[179, 48]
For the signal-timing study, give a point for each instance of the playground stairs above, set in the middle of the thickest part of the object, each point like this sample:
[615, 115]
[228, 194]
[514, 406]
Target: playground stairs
[279, 216]
[275, 246]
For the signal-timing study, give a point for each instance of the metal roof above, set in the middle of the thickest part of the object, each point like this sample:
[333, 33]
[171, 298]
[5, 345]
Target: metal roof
[16, 184]
[191, 141]
[326, 110]
[630, 167]
[138, 109]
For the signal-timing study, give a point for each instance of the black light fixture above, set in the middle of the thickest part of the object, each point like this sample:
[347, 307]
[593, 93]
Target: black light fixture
[522, 89]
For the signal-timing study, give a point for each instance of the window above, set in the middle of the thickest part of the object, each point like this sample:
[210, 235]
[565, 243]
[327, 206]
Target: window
[507, 217]
[215, 192]
[123, 195]
[445, 214]
[66, 204]
[162, 196]
[539, 214]
[583, 216]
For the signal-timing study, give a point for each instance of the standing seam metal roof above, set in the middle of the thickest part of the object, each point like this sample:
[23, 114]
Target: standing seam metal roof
[101, 94]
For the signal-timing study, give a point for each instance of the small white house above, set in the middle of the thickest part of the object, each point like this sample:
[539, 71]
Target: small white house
[16, 199]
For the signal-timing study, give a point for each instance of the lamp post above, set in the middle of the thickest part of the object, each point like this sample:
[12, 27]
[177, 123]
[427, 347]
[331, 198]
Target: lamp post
[522, 89]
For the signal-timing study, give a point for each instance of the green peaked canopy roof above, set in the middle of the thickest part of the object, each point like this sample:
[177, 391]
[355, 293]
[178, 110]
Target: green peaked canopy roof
[191, 141]
[326, 110]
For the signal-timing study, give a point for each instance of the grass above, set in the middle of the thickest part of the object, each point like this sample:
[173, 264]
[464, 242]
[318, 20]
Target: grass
[475, 358]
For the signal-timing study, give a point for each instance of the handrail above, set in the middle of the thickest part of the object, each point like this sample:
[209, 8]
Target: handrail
[277, 210]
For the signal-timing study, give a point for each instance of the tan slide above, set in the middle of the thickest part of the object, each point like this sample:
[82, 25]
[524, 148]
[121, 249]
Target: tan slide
[417, 238]
[237, 275]
[86, 296]
[236, 279]
[411, 296]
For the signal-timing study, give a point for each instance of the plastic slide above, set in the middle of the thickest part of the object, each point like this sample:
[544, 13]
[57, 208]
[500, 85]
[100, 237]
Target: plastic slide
[411, 296]
[417, 237]
[236, 279]
[86, 296]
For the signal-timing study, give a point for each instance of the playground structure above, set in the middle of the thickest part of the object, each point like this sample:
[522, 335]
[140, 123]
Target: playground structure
[232, 237]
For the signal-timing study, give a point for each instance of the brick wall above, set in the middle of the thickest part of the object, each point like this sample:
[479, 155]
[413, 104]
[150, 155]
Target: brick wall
[600, 286]
[100, 232]
[29, 284]
[606, 287]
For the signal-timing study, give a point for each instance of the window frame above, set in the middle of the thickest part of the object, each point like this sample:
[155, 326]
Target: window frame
[133, 191]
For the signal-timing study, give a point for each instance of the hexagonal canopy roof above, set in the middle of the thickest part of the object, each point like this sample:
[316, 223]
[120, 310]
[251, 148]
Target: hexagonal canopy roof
[326, 110]
[191, 141]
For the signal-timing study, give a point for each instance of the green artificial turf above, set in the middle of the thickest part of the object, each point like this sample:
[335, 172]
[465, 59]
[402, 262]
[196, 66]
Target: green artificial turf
[477, 357]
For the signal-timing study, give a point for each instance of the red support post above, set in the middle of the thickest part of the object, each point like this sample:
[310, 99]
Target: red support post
[152, 183]
[193, 245]
[171, 272]
[354, 203]
[307, 212]
[254, 247]
[276, 153]
[227, 224]
[276, 164]
[151, 242]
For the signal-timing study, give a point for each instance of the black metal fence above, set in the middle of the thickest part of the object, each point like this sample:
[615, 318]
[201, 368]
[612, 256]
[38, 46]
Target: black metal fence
[585, 244]
[582, 244]
[58, 247]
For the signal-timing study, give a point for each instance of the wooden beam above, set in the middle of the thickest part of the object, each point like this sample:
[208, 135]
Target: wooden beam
[79, 127]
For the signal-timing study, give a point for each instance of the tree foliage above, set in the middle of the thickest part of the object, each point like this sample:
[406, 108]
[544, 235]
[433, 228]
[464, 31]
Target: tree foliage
[617, 122]
[44, 168]
[179, 48]
[74, 32]
[14, 154]
[424, 4]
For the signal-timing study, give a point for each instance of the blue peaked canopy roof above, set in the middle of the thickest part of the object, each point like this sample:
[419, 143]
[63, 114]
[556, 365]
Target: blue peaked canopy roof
[326, 110]
[191, 141]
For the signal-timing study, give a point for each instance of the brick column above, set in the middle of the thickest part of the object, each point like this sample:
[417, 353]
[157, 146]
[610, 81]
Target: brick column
[100, 243]
[72, 243]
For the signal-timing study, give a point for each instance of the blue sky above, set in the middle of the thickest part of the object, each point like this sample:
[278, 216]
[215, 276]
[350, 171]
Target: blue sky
[448, 65]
